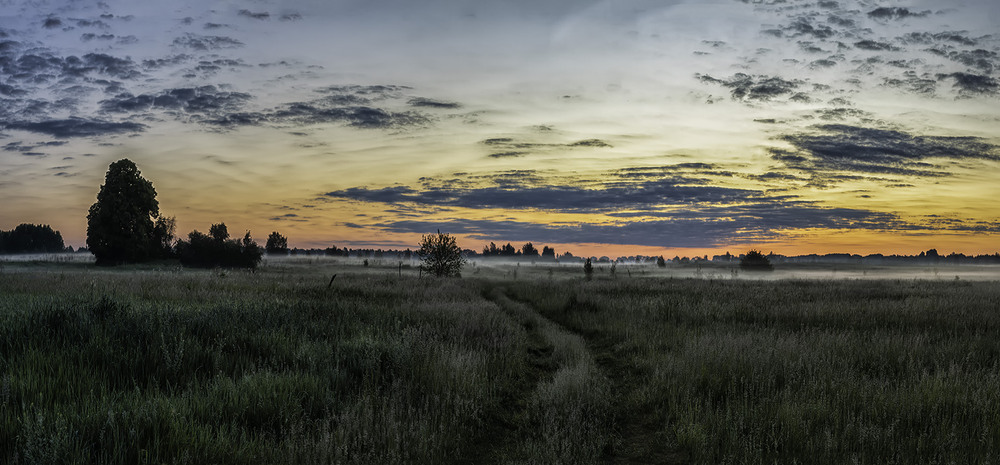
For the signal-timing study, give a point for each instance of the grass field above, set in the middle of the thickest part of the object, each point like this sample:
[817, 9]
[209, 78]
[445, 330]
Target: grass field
[156, 364]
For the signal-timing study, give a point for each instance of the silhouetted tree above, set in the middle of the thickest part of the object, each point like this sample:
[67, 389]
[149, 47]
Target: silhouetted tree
[120, 226]
[661, 262]
[31, 238]
[219, 232]
[588, 269]
[528, 250]
[163, 236]
[491, 250]
[217, 250]
[508, 251]
[440, 255]
[754, 260]
[548, 253]
[276, 244]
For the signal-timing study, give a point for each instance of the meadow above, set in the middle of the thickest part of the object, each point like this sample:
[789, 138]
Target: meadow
[507, 365]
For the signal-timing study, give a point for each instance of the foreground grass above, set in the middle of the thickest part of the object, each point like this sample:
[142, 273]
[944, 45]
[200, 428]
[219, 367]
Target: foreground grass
[795, 372]
[148, 365]
[199, 367]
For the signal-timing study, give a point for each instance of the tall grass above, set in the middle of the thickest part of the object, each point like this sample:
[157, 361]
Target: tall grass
[202, 367]
[800, 372]
[160, 365]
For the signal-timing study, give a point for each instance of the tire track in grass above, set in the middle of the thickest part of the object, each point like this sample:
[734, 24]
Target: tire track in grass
[561, 414]
[639, 430]
[500, 434]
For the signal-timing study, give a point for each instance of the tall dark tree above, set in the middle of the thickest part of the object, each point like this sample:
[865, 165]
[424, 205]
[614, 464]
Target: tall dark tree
[440, 255]
[276, 244]
[491, 251]
[528, 250]
[508, 251]
[548, 253]
[120, 226]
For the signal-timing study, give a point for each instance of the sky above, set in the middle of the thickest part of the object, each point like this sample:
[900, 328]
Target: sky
[675, 127]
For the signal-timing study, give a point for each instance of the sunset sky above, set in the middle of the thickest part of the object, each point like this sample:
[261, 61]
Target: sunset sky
[600, 127]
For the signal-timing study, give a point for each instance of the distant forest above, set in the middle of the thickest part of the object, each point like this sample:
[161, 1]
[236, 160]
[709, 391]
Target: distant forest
[31, 238]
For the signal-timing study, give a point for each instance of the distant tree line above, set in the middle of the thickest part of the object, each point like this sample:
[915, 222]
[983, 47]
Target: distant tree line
[216, 249]
[528, 251]
[31, 238]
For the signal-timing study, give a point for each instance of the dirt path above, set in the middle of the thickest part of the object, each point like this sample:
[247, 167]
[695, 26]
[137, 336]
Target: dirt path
[502, 433]
[639, 430]
[629, 432]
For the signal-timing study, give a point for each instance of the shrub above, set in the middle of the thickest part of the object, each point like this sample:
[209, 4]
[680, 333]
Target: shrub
[754, 260]
[276, 244]
[217, 250]
[440, 255]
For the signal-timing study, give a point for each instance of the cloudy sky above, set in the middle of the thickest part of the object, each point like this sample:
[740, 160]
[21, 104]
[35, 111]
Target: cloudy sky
[601, 127]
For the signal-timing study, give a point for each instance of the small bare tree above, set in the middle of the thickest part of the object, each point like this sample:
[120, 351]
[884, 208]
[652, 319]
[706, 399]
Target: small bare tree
[440, 255]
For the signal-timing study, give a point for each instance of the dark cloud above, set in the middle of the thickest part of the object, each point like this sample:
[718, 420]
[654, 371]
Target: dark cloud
[426, 102]
[253, 15]
[207, 100]
[822, 64]
[358, 116]
[590, 143]
[928, 38]
[840, 113]
[205, 43]
[984, 60]
[896, 13]
[91, 36]
[710, 227]
[911, 82]
[520, 191]
[41, 67]
[353, 105]
[76, 127]
[507, 154]
[846, 23]
[21, 147]
[668, 171]
[805, 27]
[972, 84]
[511, 145]
[158, 63]
[95, 23]
[366, 93]
[291, 17]
[52, 23]
[875, 46]
[868, 150]
[755, 88]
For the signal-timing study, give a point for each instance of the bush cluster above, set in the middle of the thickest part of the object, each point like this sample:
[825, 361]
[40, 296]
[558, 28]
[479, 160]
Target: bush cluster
[217, 250]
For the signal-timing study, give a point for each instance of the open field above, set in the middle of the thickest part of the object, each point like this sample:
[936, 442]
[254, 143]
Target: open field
[510, 364]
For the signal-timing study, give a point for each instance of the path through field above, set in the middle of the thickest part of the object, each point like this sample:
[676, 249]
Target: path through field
[577, 402]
